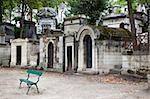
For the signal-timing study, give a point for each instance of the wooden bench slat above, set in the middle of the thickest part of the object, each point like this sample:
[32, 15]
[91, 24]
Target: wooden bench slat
[31, 71]
[27, 81]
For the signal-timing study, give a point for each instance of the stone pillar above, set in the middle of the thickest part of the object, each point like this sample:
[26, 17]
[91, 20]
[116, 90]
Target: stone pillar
[76, 55]
[13, 54]
[80, 57]
[41, 49]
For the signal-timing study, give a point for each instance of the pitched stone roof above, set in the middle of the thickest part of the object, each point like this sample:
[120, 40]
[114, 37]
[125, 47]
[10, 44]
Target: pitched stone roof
[47, 12]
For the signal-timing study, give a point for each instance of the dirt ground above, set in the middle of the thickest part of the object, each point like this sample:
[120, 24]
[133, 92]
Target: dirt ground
[76, 86]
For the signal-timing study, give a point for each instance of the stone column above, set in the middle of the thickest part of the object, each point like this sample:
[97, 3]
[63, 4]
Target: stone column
[76, 55]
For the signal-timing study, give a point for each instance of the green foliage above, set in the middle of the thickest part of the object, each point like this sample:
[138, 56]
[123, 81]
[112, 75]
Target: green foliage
[17, 32]
[34, 4]
[55, 3]
[47, 3]
[143, 1]
[118, 11]
[52, 3]
[74, 6]
[120, 2]
[134, 3]
[91, 8]
[123, 3]
[9, 4]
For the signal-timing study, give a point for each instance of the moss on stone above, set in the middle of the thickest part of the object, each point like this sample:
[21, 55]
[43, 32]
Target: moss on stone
[107, 32]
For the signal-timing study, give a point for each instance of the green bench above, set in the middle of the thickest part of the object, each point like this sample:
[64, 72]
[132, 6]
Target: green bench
[29, 82]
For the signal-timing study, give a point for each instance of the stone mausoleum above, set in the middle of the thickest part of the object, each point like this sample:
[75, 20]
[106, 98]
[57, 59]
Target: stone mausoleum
[6, 33]
[77, 47]
[92, 48]
[51, 40]
[24, 52]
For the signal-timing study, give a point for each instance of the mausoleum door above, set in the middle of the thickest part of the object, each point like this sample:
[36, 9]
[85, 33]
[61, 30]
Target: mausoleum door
[50, 55]
[18, 55]
[69, 58]
[87, 51]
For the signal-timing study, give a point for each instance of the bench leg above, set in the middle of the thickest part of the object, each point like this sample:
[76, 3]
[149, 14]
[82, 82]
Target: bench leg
[28, 88]
[20, 84]
[37, 88]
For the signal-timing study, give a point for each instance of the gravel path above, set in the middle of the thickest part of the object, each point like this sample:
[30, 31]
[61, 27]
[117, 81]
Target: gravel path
[61, 86]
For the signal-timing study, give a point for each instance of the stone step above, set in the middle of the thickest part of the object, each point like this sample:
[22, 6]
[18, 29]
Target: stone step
[115, 71]
[89, 72]
[117, 66]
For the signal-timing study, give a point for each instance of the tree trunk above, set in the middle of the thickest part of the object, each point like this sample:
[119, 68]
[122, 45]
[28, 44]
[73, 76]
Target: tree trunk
[131, 18]
[10, 12]
[1, 11]
[148, 13]
[22, 18]
[30, 12]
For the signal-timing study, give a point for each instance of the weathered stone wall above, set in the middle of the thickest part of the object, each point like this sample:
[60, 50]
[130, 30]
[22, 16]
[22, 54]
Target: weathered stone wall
[71, 29]
[33, 50]
[2, 39]
[60, 52]
[72, 26]
[42, 49]
[4, 55]
[29, 50]
[108, 55]
[57, 55]
[135, 61]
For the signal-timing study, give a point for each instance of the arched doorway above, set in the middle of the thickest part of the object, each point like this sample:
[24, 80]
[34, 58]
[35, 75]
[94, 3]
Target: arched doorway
[87, 43]
[50, 55]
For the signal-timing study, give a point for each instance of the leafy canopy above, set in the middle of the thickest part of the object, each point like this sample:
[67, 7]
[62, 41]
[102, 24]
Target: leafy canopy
[90, 8]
